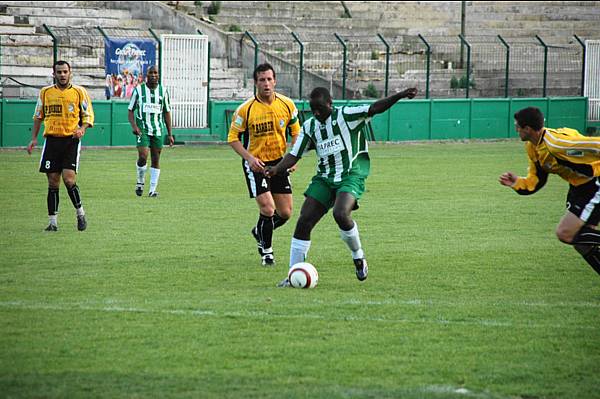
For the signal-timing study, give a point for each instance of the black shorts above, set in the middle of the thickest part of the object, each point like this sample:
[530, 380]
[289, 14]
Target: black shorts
[259, 183]
[60, 153]
[584, 201]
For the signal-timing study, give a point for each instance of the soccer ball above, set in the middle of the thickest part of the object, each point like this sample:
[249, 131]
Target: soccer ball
[303, 275]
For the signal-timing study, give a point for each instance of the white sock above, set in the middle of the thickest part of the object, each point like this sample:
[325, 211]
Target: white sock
[352, 240]
[141, 173]
[80, 211]
[154, 174]
[298, 251]
[53, 220]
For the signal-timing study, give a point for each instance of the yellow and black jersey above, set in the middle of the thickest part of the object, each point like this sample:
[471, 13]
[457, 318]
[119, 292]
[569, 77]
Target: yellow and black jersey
[565, 152]
[262, 127]
[63, 110]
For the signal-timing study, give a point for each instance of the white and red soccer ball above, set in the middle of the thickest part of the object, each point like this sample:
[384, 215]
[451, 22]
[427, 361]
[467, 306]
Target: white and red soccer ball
[303, 275]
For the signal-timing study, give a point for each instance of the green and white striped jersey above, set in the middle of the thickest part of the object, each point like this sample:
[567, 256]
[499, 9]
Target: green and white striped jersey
[149, 107]
[340, 144]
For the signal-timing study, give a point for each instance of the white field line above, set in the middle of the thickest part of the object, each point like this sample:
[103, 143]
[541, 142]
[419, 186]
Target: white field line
[270, 315]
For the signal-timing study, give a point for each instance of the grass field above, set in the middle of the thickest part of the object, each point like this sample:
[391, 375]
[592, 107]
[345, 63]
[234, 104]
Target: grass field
[470, 294]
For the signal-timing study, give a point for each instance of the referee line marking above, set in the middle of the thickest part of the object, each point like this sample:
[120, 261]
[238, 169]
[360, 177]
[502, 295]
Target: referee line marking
[265, 314]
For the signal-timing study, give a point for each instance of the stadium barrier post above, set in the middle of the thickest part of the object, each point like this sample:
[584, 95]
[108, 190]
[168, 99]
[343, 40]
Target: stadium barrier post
[343, 64]
[301, 66]
[159, 50]
[464, 41]
[54, 43]
[582, 64]
[428, 65]
[208, 116]
[507, 65]
[545, 63]
[246, 33]
[387, 62]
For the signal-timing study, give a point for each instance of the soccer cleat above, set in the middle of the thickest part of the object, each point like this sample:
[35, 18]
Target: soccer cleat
[362, 270]
[258, 241]
[153, 194]
[285, 283]
[268, 259]
[81, 223]
[51, 227]
[139, 189]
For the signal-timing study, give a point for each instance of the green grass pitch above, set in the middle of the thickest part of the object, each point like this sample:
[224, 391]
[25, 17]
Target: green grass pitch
[470, 294]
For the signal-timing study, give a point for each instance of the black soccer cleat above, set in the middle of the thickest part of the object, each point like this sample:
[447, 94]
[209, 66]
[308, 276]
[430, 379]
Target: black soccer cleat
[51, 227]
[81, 223]
[268, 259]
[153, 194]
[139, 189]
[362, 270]
[259, 245]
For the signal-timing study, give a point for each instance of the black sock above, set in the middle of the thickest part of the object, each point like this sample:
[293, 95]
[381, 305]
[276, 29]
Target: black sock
[587, 236]
[52, 201]
[264, 228]
[74, 195]
[278, 221]
[591, 254]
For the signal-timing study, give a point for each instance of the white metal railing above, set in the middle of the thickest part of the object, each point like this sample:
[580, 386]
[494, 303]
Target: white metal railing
[184, 73]
[591, 86]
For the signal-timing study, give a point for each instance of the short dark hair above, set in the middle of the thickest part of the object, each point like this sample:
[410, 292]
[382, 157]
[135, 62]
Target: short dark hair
[264, 67]
[530, 116]
[321, 93]
[60, 62]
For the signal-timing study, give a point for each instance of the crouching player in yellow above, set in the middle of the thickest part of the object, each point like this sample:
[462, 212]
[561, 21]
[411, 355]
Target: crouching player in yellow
[575, 158]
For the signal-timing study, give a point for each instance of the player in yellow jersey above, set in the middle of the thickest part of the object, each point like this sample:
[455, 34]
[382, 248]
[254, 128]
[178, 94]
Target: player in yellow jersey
[66, 111]
[576, 159]
[258, 135]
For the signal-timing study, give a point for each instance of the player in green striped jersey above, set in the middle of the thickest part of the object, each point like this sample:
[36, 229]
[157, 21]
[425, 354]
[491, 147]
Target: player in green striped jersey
[149, 117]
[343, 165]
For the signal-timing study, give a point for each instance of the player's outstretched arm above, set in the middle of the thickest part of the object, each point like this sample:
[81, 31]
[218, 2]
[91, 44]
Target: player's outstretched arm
[385, 103]
[508, 179]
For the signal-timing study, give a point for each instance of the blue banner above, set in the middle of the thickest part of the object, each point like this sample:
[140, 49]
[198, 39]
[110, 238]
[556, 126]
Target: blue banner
[126, 63]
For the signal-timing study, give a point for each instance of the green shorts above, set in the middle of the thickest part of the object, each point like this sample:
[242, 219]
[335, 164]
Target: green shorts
[325, 192]
[144, 140]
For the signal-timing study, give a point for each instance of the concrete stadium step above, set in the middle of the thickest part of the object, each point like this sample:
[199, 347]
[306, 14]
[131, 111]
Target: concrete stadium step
[17, 29]
[106, 22]
[27, 40]
[66, 12]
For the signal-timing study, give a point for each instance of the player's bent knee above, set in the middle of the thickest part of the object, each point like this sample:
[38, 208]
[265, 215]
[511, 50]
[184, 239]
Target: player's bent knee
[564, 235]
[342, 218]
[284, 213]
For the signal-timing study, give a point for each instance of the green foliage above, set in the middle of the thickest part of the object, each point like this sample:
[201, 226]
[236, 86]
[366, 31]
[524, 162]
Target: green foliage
[461, 83]
[371, 91]
[374, 54]
[214, 8]
[198, 3]
[453, 82]
[234, 28]
[470, 294]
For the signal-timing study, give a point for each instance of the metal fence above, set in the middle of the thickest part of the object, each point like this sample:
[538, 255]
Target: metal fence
[441, 66]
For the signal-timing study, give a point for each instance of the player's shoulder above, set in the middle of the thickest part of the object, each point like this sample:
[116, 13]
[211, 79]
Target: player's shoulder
[46, 89]
[354, 108]
[566, 131]
[79, 88]
[245, 105]
[285, 99]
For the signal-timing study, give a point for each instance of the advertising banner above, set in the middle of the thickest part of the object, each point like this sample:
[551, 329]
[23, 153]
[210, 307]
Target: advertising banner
[126, 63]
